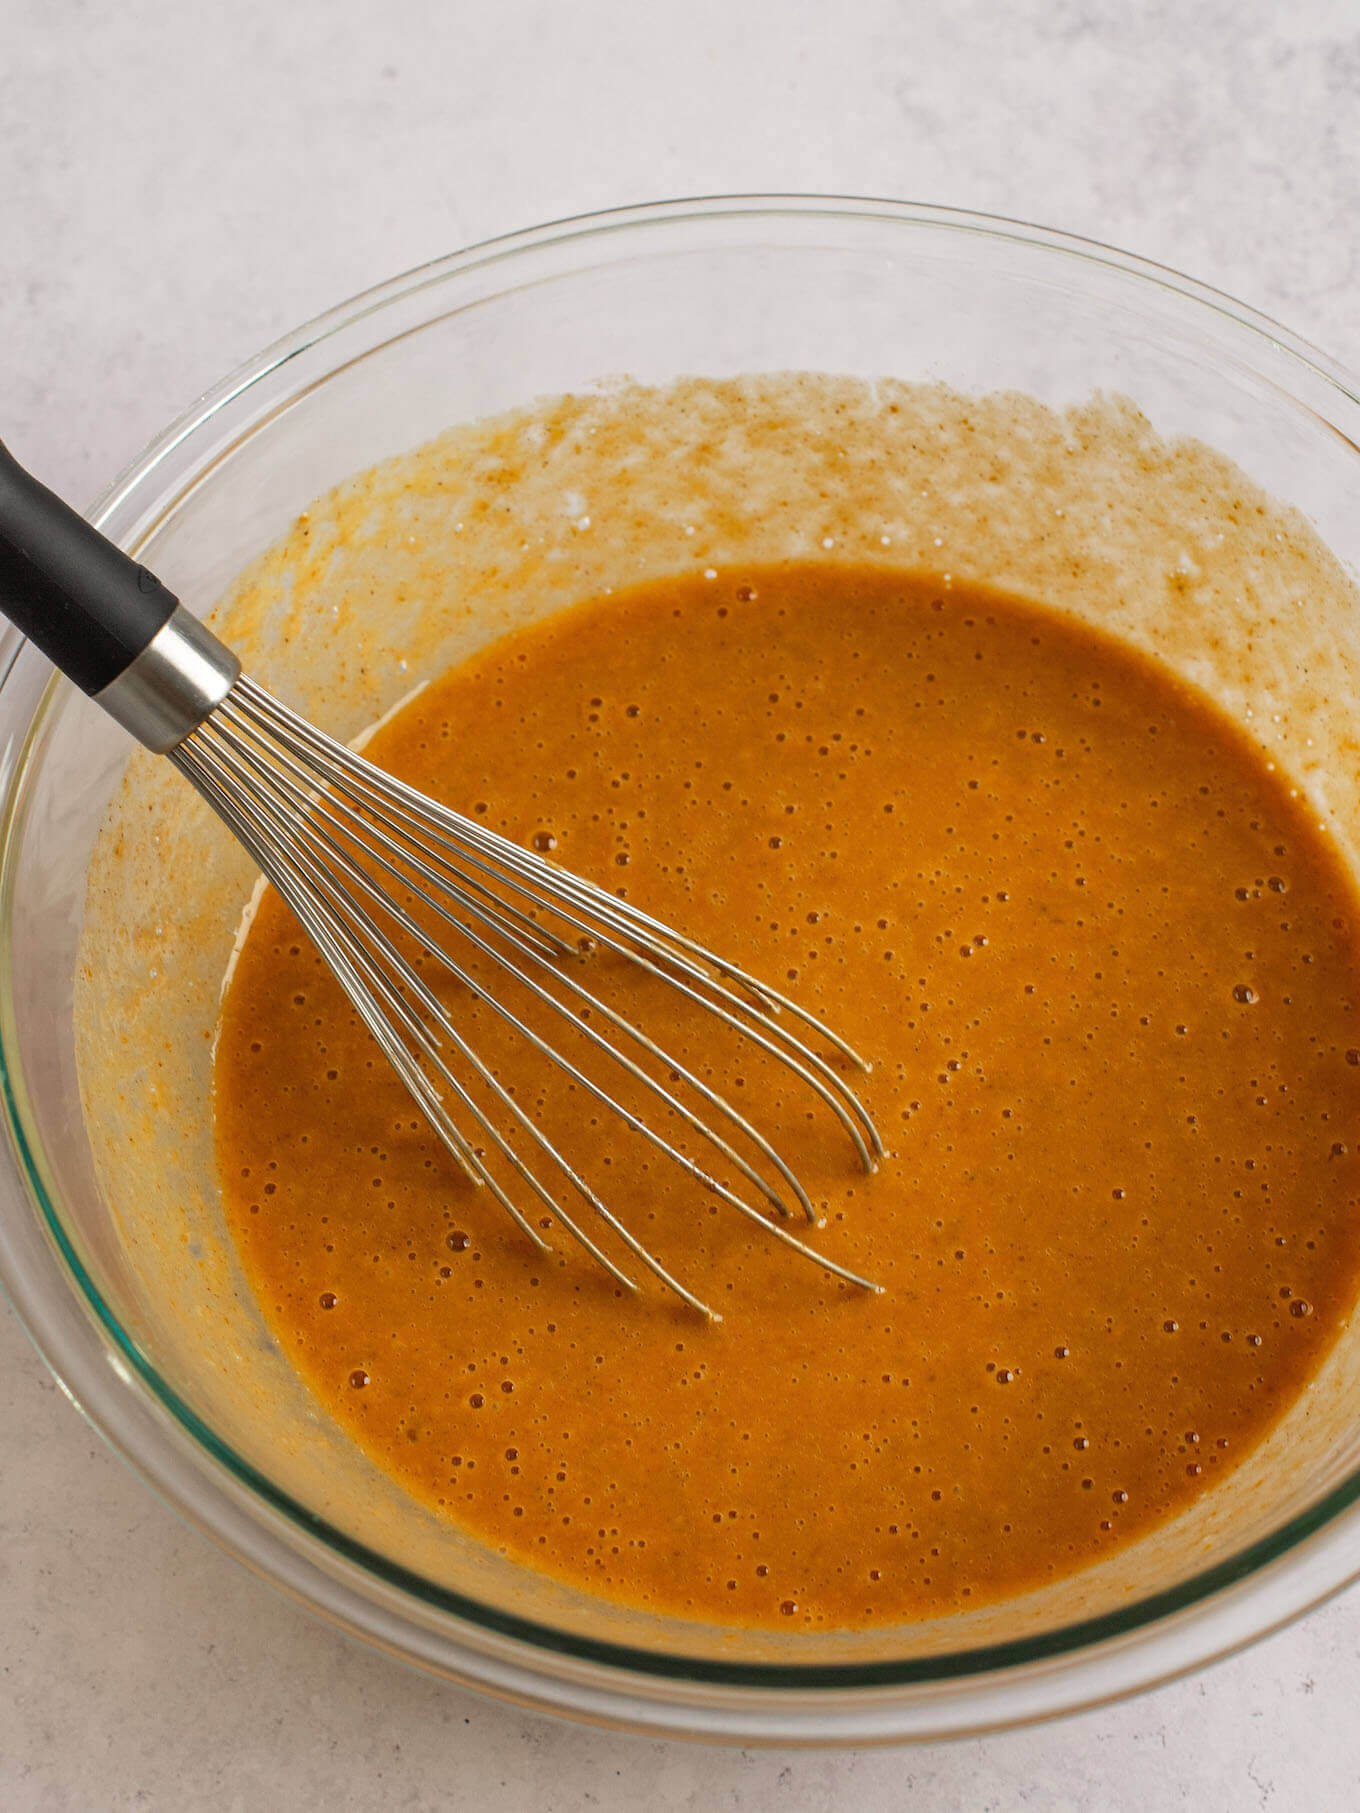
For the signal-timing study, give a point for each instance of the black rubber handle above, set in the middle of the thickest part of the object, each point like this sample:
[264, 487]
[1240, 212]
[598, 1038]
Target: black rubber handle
[85, 604]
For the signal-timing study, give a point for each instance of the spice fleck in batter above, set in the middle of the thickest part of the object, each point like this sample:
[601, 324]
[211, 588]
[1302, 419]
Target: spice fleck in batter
[1106, 970]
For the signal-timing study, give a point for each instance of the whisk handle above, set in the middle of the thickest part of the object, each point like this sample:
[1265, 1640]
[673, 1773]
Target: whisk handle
[85, 604]
[107, 623]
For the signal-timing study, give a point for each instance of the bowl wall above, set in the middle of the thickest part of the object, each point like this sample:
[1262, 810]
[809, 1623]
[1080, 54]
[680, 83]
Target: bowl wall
[120, 1264]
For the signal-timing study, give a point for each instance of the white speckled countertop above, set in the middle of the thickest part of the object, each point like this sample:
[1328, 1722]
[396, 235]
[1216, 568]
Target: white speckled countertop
[179, 185]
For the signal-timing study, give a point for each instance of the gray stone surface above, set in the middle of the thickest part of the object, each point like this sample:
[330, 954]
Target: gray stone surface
[180, 184]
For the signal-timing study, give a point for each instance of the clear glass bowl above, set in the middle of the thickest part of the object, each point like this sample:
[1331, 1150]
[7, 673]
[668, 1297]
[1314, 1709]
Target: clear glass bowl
[713, 287]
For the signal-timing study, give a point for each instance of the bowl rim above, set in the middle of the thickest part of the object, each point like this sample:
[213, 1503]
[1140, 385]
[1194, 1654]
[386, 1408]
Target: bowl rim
[223, 1494]
[804, 205]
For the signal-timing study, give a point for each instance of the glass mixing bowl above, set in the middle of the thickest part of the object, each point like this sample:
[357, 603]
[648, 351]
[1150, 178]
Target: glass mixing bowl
[713, 287]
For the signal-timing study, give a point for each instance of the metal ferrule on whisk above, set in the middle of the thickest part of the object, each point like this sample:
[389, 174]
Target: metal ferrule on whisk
[182, 675]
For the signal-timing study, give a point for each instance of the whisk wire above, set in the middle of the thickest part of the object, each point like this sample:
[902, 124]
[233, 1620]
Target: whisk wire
[319, 819]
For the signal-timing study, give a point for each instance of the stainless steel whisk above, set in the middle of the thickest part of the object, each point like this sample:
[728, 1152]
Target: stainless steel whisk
[366, 862]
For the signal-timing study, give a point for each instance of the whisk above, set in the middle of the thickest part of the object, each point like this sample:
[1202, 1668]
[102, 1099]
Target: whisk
[384, 880]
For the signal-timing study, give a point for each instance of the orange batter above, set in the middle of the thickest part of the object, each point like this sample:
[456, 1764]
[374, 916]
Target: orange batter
[1106, 970]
